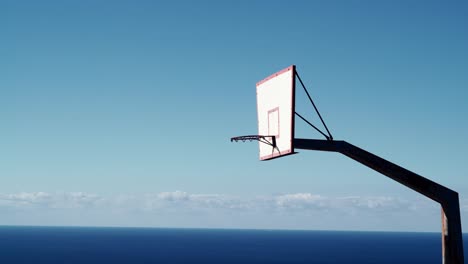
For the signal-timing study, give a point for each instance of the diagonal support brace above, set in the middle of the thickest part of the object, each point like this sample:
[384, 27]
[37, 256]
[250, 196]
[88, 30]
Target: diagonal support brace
[452, 240]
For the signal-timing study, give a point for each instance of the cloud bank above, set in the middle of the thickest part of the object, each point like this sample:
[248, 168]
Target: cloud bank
[304, 202]
[182, 209]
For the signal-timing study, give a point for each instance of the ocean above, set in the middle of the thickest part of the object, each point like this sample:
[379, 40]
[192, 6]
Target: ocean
[20, 244]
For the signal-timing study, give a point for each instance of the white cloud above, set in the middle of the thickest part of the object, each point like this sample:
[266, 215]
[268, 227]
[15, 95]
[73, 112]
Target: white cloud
[174, 196]
[464, 205]
[180, 199]
[350, 204]
[49, 200]
[301, 201]
[179, 208]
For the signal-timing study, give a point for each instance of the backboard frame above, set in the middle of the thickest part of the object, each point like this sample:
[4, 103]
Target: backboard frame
[275, 119]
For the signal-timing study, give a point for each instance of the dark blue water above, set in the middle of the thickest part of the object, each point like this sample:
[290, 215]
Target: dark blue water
[154, 245]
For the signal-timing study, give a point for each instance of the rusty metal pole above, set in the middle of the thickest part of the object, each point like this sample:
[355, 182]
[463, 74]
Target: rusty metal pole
[452, 240]
[444, 234]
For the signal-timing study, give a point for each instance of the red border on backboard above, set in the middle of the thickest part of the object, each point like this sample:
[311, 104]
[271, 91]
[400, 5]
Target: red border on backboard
[292, 67]
[288, 151]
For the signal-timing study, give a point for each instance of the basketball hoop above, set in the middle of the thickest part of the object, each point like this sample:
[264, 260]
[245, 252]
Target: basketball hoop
[276, 116]
[259, 138]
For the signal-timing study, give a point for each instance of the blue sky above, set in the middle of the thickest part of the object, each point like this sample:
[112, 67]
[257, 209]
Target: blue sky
[124, 105]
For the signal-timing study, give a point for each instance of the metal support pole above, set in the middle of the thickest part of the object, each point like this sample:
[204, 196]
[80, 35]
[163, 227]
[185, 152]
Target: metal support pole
[444, 234]
[452, 240]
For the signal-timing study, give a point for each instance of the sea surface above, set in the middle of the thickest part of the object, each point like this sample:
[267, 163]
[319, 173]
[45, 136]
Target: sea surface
[19, 244]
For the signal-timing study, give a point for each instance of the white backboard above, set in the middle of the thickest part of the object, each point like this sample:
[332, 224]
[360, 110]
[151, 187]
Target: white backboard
[275, 110]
